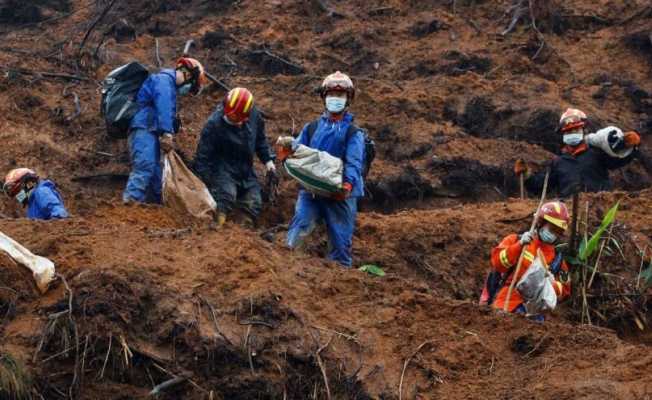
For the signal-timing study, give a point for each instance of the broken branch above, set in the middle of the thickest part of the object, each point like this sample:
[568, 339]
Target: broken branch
[322, 366]
[405, 365]
[94, 24]
[297, 67]
[44, 74]
[158, 57]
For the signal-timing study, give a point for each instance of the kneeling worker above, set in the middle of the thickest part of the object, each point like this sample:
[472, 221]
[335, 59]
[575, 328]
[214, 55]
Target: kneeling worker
[40, 196]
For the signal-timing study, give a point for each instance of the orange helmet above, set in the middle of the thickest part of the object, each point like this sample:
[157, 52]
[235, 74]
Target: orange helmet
[196, 70]
[338, 82]
[238, 104]
[571, 120]
[16, 179]
[556, 213]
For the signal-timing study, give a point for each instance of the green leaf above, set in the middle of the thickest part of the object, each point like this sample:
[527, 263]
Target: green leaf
[591, 246]
[372, 269]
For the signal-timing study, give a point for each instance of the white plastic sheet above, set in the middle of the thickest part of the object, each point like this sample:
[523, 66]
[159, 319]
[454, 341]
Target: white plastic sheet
[41, 267]
[600, 139]
[536, 288]
[317, 171]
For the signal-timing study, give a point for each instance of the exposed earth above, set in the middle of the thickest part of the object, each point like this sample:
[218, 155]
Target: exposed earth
[452, 95]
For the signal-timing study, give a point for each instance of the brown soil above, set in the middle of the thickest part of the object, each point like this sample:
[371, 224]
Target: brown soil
[451, 104]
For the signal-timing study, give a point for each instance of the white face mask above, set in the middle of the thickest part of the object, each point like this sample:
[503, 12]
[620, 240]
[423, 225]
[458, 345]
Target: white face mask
[21, 196]
[546, 236]
[335, 105]
[573, 139]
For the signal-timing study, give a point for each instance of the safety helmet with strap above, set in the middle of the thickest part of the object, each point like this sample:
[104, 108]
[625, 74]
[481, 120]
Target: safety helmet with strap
[196, 71]
[338, 82]
[17, 180]
[572, 120]
[238, 104]
[554, 212]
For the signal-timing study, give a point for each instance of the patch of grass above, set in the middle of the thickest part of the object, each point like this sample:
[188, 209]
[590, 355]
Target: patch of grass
[15, 383]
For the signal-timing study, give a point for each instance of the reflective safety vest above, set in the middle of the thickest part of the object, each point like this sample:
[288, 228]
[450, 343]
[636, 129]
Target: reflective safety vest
[504, 258]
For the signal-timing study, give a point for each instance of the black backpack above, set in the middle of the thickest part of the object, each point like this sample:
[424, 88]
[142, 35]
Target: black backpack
[369, 144]
[119, 90]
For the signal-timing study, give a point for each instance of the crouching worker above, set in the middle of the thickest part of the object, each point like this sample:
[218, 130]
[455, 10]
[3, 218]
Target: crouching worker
[551, 224]
[153, 127]
[40, 196]
[335, 133]
[233, 134]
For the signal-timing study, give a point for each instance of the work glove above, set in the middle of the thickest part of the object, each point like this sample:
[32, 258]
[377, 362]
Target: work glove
[344, 193]
[632, 139]
[167, 142]
[520, 167]
[270, 167]
[526, 238]
[285, 141]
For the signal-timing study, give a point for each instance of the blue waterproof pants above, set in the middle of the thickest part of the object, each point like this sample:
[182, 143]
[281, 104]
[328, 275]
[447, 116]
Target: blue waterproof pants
[144, 184]
[339, 217]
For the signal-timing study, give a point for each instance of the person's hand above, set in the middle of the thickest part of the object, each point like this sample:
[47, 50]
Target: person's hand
[167, 142]
[632, 139]
[526, 238]
[270, 167]
[285, 141]
[344, 193]
[520, 167]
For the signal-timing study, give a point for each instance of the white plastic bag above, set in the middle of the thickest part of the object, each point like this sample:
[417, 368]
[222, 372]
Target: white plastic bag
[183, 191]
[42, 268]
[317, 171]
[600, 139]
[536, 288]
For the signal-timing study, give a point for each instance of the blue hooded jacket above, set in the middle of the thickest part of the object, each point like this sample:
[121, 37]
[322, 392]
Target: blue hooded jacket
[330, 136]
[45, 202]
[157, 99]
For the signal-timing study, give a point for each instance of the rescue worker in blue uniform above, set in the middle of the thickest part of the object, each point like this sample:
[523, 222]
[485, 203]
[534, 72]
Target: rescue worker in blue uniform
[333, 135]
[153, 127]
[40, 196]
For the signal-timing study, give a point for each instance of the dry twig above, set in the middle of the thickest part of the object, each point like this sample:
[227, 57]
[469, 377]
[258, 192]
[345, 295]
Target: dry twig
[322, 366]
[405, 365]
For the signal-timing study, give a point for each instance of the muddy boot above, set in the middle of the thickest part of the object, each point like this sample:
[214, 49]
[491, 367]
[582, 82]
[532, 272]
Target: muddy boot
[249, 222]
[218, 221]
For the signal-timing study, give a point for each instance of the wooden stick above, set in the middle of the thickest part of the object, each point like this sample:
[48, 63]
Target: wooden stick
[520, 258]
[158, 57]
[405, 365]
[46, 74]
[521, 180]
[94, 24]
[323, 367]
[573, 237]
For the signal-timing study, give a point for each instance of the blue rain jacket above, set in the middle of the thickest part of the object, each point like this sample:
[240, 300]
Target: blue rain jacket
[330, 136]
[157, 99]
[45, 202]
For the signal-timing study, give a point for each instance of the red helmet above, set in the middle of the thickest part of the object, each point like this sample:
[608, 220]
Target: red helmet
[571, 120]
[338, 82]
[196, 70]
[16, 179]
[556, 213]
[238, 104]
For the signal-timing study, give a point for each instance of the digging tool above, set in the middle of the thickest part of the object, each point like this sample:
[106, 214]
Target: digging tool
[522, 182]
[520, 257]
[573, 237]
